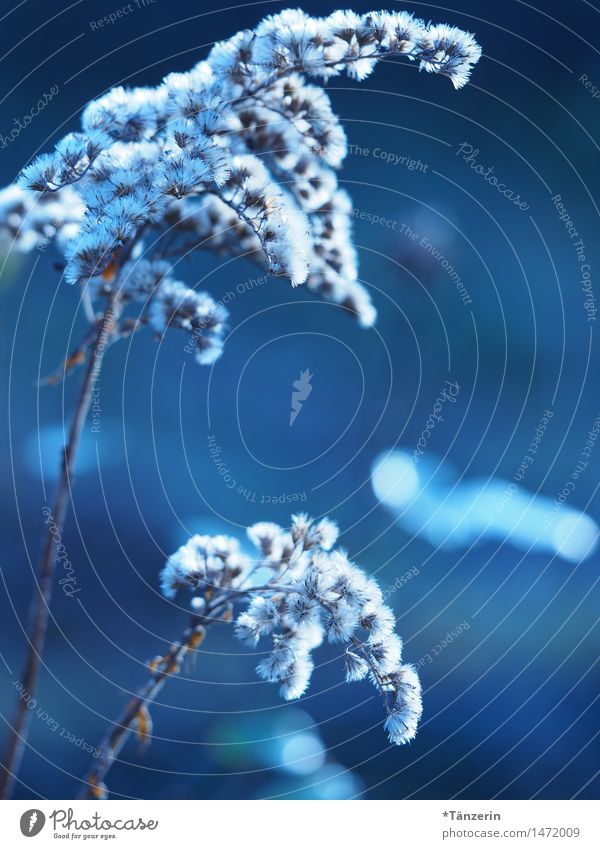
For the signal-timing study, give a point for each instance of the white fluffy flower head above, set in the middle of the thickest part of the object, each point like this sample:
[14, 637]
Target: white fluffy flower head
[314, 593]
[238, 156]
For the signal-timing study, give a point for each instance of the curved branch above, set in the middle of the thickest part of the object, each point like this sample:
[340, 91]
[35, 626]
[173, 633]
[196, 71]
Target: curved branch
[169, 664]
[106, 330]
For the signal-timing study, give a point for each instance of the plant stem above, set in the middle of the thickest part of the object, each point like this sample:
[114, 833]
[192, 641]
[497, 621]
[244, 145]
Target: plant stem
[218, 609]
[40, 609]
[113, 742]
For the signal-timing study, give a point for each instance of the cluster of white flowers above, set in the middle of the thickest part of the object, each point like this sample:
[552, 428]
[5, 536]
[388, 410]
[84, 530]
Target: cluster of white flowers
[204, 563]
[238, 156]
[313, 592]
[27, 222]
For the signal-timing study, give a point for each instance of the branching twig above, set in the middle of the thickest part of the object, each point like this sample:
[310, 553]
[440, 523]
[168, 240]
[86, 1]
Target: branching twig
[162, 668]
[169, 664]
[136, 709]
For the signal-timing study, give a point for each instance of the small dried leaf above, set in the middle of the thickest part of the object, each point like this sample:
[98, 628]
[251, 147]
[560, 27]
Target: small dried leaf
[173, 666]
[196, 638]
[110, 271]
[70, 363]
[143, 723]
[155, 663]
[97, 789]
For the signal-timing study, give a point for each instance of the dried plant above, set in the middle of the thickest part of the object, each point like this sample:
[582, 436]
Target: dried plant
[297, 592]
[238, 156]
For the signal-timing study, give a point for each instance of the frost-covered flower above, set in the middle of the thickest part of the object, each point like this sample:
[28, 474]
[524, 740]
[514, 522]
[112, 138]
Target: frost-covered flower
[185, 568]
[355, 666]
[449, 51]
[326, 533]
[260, 618]
[238, 156]
[406, 706]
[266, 536]
[142, 277]
[313, 593]
[28, 221]
[204, 562]
[174, 305]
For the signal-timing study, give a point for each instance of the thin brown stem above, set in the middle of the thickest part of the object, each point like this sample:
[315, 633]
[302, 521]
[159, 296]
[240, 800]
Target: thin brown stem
[135, 711]
[40, 610]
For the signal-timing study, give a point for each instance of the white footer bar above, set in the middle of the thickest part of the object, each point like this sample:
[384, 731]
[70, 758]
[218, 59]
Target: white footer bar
[302, 825]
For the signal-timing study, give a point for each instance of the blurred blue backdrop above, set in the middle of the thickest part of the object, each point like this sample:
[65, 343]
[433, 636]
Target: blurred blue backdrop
[511, 699]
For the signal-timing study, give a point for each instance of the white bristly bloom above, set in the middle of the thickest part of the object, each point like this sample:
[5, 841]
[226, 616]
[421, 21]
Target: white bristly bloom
[238, 156]
[266, 537]
[204, 562]
[29, 221]
[174, 305]
[314, 593]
